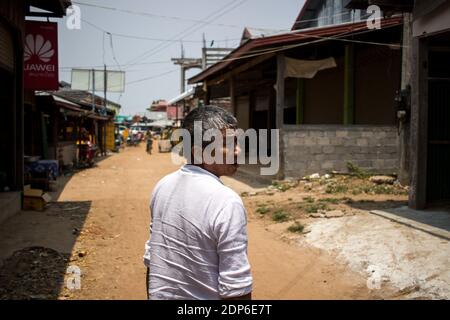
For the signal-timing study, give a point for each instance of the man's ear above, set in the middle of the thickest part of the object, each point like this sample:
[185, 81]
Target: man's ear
[197, 154]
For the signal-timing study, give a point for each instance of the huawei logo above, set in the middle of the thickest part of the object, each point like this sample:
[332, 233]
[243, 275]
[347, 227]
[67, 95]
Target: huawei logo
[37, 45]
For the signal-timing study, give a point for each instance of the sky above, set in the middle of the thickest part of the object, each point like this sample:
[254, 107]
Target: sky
[140, 32]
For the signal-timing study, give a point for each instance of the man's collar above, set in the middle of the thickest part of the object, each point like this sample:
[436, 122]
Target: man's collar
[190, 168]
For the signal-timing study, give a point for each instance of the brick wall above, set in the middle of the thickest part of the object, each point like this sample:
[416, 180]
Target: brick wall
[324, 148]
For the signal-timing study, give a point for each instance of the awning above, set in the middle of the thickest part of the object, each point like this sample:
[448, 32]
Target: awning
[73, 109]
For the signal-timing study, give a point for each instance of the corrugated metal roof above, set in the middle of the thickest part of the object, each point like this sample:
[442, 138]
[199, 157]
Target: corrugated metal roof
[288, 38]
[180, 97]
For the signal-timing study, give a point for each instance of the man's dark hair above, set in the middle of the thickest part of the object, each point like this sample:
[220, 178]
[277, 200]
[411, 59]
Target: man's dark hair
[212, 117]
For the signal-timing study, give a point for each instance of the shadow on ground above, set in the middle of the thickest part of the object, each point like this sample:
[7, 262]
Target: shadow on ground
[436, 217]
[370, 205]
[35, 250]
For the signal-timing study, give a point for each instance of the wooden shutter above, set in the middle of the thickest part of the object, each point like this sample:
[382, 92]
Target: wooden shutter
[6, 49]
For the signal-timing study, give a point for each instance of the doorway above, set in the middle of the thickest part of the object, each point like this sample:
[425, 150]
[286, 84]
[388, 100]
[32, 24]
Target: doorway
[438, 138]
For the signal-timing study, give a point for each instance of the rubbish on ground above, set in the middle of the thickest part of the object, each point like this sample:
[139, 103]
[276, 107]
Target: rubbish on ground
[35, 199]
[382, 180]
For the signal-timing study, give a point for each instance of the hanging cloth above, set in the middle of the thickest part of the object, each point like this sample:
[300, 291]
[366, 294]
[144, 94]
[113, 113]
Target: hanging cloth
[307, 68]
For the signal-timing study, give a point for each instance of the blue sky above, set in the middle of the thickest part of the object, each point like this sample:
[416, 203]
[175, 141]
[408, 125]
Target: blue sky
[220, 20]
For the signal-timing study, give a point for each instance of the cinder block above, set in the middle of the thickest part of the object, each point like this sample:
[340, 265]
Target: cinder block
[328, 149]
[327, 165]
[341, 134]
[362, 142]
[316, 134]
[323, 141]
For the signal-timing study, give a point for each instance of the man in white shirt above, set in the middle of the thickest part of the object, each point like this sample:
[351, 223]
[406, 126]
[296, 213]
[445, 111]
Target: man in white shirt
[198, 237]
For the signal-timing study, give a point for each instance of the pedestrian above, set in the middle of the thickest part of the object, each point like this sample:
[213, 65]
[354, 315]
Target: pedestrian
[198, 234]
[149, 138]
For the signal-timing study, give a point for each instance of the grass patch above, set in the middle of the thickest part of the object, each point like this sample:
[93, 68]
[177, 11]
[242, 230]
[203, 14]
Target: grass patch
[336, 188]
[315, 207]
[357, 171]
[308, 199]
[262, 210]
[297, 227]
[281, 186]
[280, 216]
[330, 200]
[378, 190]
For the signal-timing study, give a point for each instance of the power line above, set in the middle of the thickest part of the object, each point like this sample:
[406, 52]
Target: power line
[150, 77]
[147, 38]
[338, 37]
[152, 15]
[214, 15]
[101, 66]
[112, 50]
[267, 51]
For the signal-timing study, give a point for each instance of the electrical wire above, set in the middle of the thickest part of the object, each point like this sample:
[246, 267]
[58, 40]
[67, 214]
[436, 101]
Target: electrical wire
[215, 15]
[148, 38]
[101, 66]
[338, 37]
[152, 15]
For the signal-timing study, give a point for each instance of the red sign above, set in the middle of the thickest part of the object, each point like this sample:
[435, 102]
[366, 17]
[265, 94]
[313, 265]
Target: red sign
[172, 112]
[41, 55]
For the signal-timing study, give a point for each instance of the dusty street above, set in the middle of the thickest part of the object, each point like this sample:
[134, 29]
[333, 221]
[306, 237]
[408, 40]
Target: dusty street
[101, 220]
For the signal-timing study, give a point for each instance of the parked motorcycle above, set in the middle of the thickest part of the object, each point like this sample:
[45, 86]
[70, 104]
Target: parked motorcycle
[86, 155]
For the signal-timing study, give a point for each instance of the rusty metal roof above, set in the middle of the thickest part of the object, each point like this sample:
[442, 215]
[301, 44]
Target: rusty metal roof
[245, 50]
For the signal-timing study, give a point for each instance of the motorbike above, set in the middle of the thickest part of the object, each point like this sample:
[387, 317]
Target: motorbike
[87, 152]
[133, 140]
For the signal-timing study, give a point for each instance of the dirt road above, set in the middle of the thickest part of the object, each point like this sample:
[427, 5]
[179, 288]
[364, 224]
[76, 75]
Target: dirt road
[108, 239]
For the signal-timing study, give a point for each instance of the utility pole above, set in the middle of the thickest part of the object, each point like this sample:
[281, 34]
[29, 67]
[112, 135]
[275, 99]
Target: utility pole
[105, 86]
[186, 64]
[93, 90]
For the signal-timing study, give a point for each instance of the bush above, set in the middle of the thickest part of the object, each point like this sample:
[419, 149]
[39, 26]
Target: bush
[315, 207]
[280, 216]
[262, 210]
[296, 228]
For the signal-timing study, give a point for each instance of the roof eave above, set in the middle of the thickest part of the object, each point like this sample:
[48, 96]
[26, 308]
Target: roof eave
[285, 38]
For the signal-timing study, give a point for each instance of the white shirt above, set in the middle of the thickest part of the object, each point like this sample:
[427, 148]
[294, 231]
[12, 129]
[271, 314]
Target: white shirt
[198, 239]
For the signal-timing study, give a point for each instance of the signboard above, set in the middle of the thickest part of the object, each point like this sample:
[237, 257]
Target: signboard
[84, 79]
[41, 55]
[174, 112]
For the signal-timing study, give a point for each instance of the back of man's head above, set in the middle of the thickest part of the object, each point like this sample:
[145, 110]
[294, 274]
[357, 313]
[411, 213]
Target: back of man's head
[211, 117]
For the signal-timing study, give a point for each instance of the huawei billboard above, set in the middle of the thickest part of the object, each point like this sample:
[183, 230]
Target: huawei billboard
[41, 55]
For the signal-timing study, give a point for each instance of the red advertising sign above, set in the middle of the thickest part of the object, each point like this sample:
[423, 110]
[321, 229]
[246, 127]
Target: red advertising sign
[172, 112]
[41, 55]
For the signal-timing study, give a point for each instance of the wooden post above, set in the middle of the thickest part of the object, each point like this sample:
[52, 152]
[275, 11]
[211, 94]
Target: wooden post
[279, 112]
[419, 125]
[349, 85]
[404, 141]
[300, 102]
[18, 125]
[281, 63]
[207, 95]
[233, 95]
[55, 131]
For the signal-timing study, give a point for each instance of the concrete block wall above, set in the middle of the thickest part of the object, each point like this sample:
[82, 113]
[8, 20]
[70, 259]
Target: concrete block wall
[323, 148]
